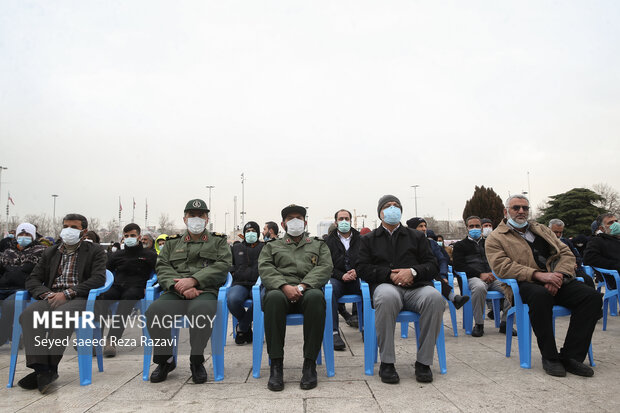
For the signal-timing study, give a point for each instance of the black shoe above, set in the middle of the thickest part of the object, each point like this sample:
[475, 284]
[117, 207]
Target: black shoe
[491, 315]
[338, 343]
[308, 375]
[579, 369]
[478, 330]
[45, 379]
[342, 310]
[553, 367]
[276, 376]
[240, 339]
[161, 372]
[29, 382]
[353, 321]
[388, 373]
[423, 373]
[502, 329]
[199, 374]
[460, 300]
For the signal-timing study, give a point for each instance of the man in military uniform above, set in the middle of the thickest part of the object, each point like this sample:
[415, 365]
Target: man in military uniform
[189, 270]
[293, 269]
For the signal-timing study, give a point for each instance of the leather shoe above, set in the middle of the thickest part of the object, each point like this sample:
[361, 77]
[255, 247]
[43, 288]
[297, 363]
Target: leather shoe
[353, 321]
[243, 337]
[199, 374]
[109, 351]
[161, 372]
[29, 382]
[460, 300]
[553, 367]
[478, 330]
[45, 379]
[276, 376]
[388, 373]
[502, 329]
[577, 368]
[308, 375]
[423, 373]
[491, 315]
[338, 343]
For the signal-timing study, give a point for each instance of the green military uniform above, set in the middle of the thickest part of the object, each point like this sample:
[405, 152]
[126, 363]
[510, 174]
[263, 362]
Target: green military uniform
[207, 260]
[284, 261]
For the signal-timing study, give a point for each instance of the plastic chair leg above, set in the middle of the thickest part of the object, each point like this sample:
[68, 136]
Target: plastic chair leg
[218, 338]
[441, 350]
[85, 355]
[509, 324]
[496, 312]
[148, 354]
[468, 317]
[591, 356]
[605, 306]
[17, 332]
[524, 338]
[453, 317]
[98, 350]
[370, 346]
[404, 329]
[257, 344]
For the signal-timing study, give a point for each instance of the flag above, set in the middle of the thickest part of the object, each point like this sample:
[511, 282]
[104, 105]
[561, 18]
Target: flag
[11, 199]
[120, 206]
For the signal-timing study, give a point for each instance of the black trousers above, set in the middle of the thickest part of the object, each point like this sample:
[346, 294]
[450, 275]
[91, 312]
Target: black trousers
[585, 304]
[127, 297]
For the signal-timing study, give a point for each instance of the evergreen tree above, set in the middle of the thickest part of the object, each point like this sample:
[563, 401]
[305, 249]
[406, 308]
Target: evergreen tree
[576, 208]
[485, 203]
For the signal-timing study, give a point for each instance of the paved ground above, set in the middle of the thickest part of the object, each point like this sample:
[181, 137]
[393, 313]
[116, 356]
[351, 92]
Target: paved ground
[479, 378]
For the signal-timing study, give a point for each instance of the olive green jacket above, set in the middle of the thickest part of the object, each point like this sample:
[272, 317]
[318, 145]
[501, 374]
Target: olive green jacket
[207, 260]
[283, 261]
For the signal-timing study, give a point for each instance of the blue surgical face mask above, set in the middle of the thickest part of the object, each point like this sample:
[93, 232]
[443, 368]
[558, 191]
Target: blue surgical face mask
[344, 226]
[516, 224]
[475, 233]
[392, 215]
[24, 241]
[131, 242]
[11, 235]
[614, 229]
[251, 237]
[440, 243]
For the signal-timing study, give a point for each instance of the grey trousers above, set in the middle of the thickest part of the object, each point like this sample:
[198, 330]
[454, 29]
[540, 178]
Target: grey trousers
[478, 296]
[390, 300]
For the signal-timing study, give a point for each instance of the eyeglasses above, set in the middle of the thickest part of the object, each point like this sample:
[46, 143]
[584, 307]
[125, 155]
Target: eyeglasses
[518, 207]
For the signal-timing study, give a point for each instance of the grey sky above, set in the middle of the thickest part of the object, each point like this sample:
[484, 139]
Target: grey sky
[329, 104]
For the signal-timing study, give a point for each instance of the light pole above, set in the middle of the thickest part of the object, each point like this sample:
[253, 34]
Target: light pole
[7, 203]
[242, 199]
[415, 198]
[54, 214]
[210, 187]
[226, 214]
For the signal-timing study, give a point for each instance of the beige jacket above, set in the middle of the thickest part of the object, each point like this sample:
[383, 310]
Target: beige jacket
[510, 256]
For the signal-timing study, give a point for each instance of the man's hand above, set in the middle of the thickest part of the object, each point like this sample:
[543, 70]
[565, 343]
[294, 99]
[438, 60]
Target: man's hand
[291, 292]
[56, 299]
[553, 278]
[191, 293]
[402, 277]
[350, 275]
[183, 284]
[487, 277]
[553, 290]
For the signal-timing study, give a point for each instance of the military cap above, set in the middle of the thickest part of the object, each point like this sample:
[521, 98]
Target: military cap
[196, 204]
[293, 208]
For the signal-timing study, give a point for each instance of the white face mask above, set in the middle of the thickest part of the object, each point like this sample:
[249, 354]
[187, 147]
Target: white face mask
[486, 231]
[196, 225]
[114, 249]
[295, 227]
[70, 236]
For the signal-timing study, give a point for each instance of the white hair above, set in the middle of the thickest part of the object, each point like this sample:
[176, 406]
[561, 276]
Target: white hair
[556, 221]
[515, 196]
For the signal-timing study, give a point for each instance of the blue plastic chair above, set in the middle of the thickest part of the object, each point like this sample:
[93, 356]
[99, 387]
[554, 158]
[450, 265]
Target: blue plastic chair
[218, 336]
[295, 319]
[611, 297]
[85, 356]
[404, 317]
[524, 328]
[468, 312]
[247, 304]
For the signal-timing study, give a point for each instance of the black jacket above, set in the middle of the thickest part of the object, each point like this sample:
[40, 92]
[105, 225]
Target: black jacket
[603, 251]
[468, 256]
[336, 248]
[91, 270]
[380, 253]
[245, 263]
[132, 267]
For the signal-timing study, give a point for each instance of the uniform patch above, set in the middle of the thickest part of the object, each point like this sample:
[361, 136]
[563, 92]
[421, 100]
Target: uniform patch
[314, 260]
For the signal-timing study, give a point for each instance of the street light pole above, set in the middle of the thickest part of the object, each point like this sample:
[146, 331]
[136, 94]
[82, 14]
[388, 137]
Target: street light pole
[415, 198]
[54, 214]
[7, 203]
[242, 199]
[210, 187]
[226, 214]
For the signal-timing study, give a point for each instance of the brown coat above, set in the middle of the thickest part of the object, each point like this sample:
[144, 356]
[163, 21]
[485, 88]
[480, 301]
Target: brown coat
[510, 256]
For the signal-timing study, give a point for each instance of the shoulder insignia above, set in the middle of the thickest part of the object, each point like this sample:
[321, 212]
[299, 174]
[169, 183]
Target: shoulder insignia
[173, 236]
[187, 238]
[288, 240]
[219, 234]
[204, 237]
[319, 239]
[270, 240]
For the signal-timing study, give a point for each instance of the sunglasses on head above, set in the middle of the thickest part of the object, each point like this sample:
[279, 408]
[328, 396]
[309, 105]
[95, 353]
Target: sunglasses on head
[518, 207]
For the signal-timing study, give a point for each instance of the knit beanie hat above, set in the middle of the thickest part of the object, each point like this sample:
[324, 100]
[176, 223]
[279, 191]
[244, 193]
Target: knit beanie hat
[26, 227]
[414, 222]
[384, 200]
[251, 224]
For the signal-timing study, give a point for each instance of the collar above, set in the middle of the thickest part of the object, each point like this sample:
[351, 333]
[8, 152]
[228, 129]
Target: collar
[203, 238]
[390, 232]
[305, 239]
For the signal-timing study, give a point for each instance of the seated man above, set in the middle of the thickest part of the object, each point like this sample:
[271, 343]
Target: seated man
[487, 227]
[344, 245]
[245, 273]
[160, 242]
[469, 257]
[400, 267]
[132, 268]
[16, 262]
[270, 231]
[603, 250]
[60, 281]
[544, 267]
[557, 227]
[190, 269]
[293, 270]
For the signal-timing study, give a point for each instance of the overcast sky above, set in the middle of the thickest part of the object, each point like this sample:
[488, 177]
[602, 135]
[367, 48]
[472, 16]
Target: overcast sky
[328, 104]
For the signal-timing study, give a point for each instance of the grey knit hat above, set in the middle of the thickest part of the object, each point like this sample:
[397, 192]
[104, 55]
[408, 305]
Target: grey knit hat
[384, 200]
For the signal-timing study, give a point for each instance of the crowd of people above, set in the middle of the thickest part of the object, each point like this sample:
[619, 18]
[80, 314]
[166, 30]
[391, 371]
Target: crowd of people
[400, 263]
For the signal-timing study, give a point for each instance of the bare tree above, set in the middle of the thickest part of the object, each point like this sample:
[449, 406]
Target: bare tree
[166, 226]
[42, 222]
[611, 198]
[94, 224]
